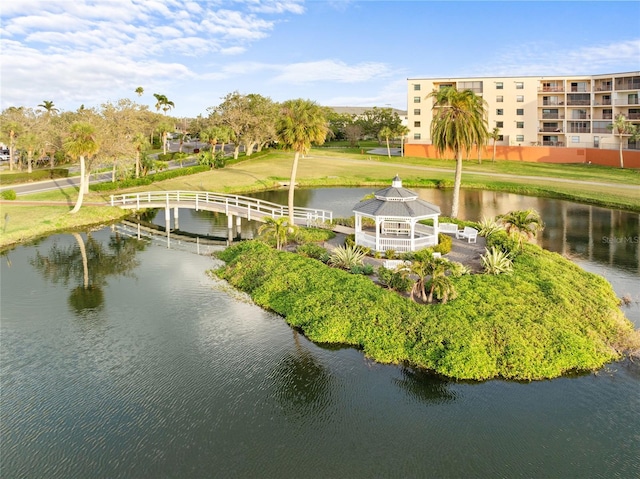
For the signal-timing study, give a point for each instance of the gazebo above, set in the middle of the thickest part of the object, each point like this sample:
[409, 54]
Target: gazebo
[396, 212]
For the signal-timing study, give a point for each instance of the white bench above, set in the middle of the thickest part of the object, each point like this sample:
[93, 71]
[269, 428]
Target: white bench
[468, 233]
[395, 263]
[448, 228]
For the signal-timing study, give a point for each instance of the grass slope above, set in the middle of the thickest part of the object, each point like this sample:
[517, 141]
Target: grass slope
[548, 318]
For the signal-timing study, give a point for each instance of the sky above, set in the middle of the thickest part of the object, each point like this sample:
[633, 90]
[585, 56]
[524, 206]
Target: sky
[336, 53]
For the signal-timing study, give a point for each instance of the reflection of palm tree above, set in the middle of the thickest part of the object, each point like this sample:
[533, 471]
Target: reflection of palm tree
[88, 263]
[425, 387]
[303, 383]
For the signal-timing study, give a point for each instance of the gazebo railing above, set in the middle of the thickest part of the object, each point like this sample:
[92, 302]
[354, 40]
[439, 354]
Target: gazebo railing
[399, 244]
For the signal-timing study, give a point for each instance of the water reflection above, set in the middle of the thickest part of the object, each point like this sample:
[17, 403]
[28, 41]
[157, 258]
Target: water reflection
[302, 383]
[88, 263]
[425, 387]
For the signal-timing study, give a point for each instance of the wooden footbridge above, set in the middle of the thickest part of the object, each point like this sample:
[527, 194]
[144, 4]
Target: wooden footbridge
[231, 205]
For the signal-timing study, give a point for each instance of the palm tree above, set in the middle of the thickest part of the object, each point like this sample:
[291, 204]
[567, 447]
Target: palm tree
[275, 229]
[139, 91]
[401, 131]
[163, 103]
[80, 143]
[495, 136]
[522, 224]
[49, 107]
[301, 123]
[622, 127]
[459, 123]
[386, 132]
[141, 143]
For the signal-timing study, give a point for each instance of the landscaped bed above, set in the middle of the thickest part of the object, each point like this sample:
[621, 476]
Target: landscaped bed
[547, 318]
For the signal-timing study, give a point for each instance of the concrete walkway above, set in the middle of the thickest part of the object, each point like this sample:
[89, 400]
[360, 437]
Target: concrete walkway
[461, 250]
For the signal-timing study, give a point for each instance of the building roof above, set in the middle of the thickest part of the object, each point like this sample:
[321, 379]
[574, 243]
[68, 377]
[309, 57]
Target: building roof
[359, 110]
[396, 201]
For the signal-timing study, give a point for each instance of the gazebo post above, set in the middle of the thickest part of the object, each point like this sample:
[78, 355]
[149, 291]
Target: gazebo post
[378, 225]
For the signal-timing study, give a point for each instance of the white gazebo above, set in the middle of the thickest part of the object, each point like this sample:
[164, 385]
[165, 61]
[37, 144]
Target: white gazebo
[396, 211]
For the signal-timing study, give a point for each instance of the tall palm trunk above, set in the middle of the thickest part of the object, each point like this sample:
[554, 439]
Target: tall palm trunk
[456, 185]
[621, 159]
[137, 162]
[85, 265]
[292, 183]
[76, 208]
[29, 161]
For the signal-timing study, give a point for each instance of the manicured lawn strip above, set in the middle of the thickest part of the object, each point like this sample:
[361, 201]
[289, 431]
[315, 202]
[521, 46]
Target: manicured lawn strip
[268, 170]
[548, 318]
[20, 223]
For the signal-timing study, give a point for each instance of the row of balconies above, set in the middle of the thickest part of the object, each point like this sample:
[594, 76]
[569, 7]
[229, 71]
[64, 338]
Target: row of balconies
[620, 85]
[570, 102]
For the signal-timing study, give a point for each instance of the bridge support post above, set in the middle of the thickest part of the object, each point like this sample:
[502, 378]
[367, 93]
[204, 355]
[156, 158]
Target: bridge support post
[230, 228]
[239, 227]
[175, 218]
[167, 219]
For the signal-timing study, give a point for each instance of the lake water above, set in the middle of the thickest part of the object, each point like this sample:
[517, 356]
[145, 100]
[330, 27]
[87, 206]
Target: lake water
[141, 366]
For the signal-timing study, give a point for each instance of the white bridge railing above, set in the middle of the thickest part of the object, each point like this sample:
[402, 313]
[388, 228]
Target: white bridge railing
[251, 208]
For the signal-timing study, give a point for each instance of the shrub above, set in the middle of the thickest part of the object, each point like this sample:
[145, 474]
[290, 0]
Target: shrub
[394, 280]
[488, 226]
[346, 258]
[313, 235]
[350, 240]
[9, 195]
[505, 243]
[314, 251]
[444, 244]
[390, 254]
[496, 261]
[365, 269]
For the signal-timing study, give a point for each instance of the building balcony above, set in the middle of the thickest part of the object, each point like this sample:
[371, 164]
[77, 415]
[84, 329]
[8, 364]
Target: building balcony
[552, 103]
[627, 101]
[602, 102]
[576, 129]
[603, 87]
[633, 84]
[552, 116]
[601, 130]
[578, 102]
[553, 143]
[633, 116]
[550, 129]
[551, 89]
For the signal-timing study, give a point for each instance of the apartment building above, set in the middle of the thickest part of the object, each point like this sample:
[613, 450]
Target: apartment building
[558, 111]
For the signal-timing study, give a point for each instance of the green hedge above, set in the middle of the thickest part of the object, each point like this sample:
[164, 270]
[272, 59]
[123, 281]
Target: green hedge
[547, 318]
[35, 175]
[147, 180]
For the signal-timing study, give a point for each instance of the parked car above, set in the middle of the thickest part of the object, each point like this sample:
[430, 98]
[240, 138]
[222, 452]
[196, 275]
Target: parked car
[4, 155]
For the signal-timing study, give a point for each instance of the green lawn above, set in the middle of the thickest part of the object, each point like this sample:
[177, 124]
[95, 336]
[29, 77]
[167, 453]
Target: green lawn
[327, 167]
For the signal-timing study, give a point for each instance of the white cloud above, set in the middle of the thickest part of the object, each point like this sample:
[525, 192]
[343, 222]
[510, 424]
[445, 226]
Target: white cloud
[332, 70]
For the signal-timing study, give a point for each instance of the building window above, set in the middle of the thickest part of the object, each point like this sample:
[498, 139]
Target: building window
[499, 85]
[500, 124]
[416, 111]
[416, 136]
[520, 98]
[416, 87]
[575, 139]
[520, 111]
[519, 137]
[416, 99]
[499, 111]
[416, 124]
[500, 137]
[499, 99]
[519, 124]
[519, 85]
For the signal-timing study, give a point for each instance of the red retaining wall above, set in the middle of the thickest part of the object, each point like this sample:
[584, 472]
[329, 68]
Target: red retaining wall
[541, 154]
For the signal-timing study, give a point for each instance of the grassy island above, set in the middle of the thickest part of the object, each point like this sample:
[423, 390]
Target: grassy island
[549, 317]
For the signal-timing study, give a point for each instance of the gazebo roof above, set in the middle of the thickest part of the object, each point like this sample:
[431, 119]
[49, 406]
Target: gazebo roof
[396, 201]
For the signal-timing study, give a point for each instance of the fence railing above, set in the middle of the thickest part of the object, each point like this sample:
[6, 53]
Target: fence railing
[252, 208]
